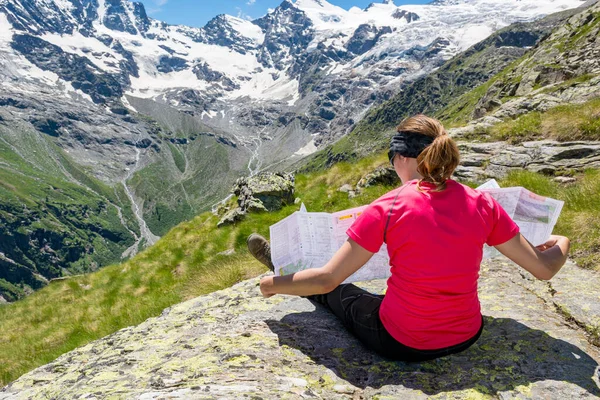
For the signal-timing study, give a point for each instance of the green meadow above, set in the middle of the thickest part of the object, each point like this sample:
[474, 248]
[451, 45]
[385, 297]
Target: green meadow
[196, 258]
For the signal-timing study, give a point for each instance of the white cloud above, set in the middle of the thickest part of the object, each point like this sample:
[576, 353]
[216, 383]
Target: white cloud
[242, 14]
[250, 2]
[156, 6]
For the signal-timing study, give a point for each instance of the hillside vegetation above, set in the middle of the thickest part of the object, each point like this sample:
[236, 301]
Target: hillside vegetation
[196, 258]
[562, 123]
[60, 218]
[55, 219]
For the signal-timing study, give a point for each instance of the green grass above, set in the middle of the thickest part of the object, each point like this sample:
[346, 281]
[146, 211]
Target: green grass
[562, 123]
[580, 217]
[189, 261]
[184, 264]
[39, 201]
[169, 197]
[178, 157]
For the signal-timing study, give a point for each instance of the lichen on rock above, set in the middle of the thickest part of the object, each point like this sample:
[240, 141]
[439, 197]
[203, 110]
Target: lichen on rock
[266, 191]
[235, 344]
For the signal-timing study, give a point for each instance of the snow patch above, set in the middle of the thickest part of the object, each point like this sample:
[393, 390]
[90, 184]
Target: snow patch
[308, 149]
[101, 11]
[264, 87]
[91, 48]
[6, 31]
[209, 114]
[128, 105]
[247, 28]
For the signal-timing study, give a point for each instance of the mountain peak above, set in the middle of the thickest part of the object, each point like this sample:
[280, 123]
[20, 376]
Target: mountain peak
[66, 17]
[311, 3]
[381, 2]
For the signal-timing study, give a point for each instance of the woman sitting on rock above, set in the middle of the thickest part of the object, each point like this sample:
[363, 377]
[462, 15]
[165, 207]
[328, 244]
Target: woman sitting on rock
[435, 229]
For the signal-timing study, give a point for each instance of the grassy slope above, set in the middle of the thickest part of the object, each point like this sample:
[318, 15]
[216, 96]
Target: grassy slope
[186, 263]
[183, 264]
[73, 212]
[185, 177]
[563, 123]
[40, 202]
[184, 180]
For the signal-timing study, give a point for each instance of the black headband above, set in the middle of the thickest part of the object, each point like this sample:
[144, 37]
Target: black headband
[408, 144]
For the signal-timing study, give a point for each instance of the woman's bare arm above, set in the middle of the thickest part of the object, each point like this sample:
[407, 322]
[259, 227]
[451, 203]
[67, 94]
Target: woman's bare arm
[346, 261]
[543, 261]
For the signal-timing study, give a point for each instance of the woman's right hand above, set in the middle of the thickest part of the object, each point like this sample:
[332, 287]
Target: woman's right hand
[551, 242]
[542, 261]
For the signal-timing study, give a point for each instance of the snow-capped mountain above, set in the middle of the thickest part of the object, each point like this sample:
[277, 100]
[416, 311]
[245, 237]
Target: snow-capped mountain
[287, 57]
[274, 89]
[114, 126]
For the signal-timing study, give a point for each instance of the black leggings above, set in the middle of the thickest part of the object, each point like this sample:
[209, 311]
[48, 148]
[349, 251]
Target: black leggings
[359, 312]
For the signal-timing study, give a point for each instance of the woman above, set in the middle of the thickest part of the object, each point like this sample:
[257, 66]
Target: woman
[435, 229]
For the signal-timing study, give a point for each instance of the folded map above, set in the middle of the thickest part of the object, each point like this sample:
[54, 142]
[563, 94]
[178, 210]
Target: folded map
[309, 239]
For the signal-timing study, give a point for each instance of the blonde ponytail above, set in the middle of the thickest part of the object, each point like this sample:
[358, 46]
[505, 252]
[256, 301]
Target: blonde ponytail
[439, 160]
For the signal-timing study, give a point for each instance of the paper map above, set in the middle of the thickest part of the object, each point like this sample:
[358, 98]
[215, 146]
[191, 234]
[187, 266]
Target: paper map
[309, 239]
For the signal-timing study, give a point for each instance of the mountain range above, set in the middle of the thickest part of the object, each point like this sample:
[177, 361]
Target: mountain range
[115, 126]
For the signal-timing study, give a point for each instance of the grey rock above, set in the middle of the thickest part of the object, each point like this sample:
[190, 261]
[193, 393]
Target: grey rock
[260, 193]
[407, 15]
[346, 188]
[171, 64]
[272, 190]
[235, 343]
[365, 37]
[255, 205]
[565, 179]
[480, 161]
[231, 217]
[381, 176]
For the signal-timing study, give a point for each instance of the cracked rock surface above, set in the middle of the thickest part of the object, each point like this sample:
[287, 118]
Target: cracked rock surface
[480, 161]
[538, 343]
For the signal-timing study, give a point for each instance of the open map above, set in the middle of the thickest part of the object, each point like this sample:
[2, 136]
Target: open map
[309, 239]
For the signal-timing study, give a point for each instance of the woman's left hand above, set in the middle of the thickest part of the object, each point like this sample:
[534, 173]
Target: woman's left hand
[265, 284]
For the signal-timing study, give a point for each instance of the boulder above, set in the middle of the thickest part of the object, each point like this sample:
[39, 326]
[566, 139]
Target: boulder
[346, 188]
[264, 192]
[565, 179]
[381, 176]
[235, 344]
[231, 217]
[481, 161]
[272, 190]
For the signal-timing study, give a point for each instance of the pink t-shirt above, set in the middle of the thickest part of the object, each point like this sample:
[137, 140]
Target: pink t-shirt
[435, 242]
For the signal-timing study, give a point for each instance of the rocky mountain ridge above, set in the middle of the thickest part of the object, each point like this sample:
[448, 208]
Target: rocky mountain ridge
[155, 122]
[449, 91]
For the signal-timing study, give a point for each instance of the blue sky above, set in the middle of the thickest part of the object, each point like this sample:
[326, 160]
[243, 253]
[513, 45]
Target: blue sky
[198, 12]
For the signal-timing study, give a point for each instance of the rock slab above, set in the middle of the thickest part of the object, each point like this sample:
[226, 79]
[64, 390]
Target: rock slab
[234, 344]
